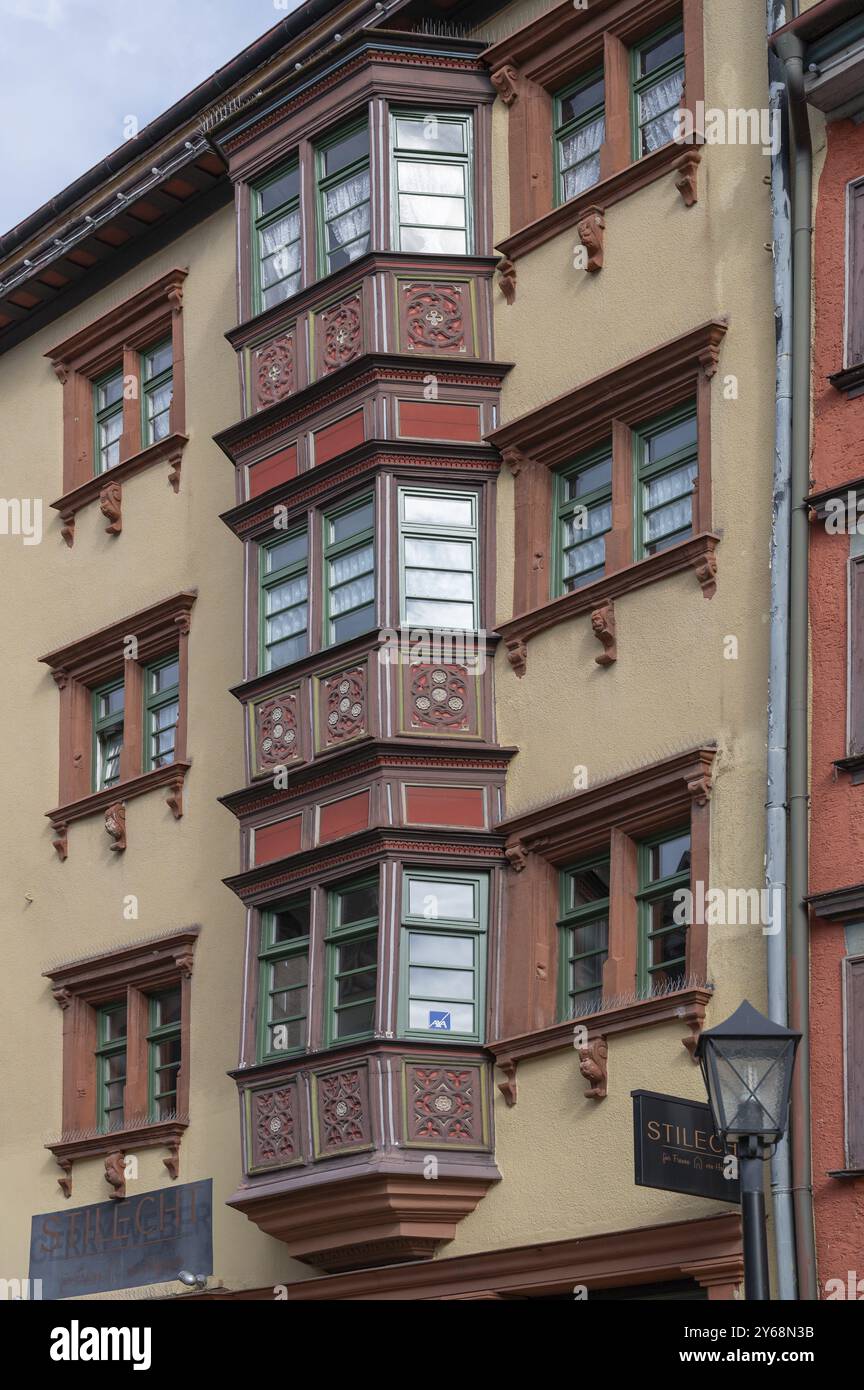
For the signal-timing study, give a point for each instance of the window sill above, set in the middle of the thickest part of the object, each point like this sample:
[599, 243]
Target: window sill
[687, 1005]
[169, 449]
[854, 766]
[149, 1134]
[696, 553]
[850, 380]
[111, 801]
[602, 195]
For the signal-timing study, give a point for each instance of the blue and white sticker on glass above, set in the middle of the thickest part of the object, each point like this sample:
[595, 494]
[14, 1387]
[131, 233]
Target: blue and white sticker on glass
[438, 1019]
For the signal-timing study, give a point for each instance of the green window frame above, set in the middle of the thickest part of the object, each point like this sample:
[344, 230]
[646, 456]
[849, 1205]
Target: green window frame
[111, 1069]
[161, 711]
[277, 237]
[283, 599]
[442, 987]
[107, 420]
[583, 936]
[657, 85]
[583, 517]
[664, 867]
[349, 569]
[579, 131]
[351, 945]
[667, 473]
[343, 196]
[108, 718]
[431, 157]
[164, 1053]
[438, 559]
[283, 958]
[157, 390]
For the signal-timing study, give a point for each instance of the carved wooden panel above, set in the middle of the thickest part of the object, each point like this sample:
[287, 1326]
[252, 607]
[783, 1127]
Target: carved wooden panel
[440, 698]
[338, 335]
[342, 706]
[436, 317]
[274, 1139]
[445, 1104]
[341, 1112]
[275, 731]
[273, 370]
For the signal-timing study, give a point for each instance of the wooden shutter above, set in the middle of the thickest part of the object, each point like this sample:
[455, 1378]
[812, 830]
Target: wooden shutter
[854, 1027]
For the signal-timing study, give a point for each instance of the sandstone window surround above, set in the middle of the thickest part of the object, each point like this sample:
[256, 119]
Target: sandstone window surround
[850, 378]
[82, 667]
[607, 410]
[532, 66]
[131, 974]
[611, 819]
[118, 341]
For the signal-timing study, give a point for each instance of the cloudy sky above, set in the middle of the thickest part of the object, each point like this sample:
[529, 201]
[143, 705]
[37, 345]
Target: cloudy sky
[74, 71]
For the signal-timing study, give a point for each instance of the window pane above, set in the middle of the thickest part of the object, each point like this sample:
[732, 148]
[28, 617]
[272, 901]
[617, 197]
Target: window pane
[658, 112]
[283, 290]
[444, 555]
[291, 1003]
[289, 922]
[346, 151]
[279, 191]
[167, 1056]
[578, 103]
[426, 1014]
[353, 217]
[672, 857]
[288, 596]
[356, 1019]
[351, 523]
[288, 552]
[114, 1024]
[441, 984]
[437, 509]
[582, 144]
[358, 904]
[437, 899]
[352, 624]
[586, 974]
[429, 133]
[115, 1066]
[157, 361]
[288, 974]
[668, 441]
[281, 653]
[435, 584]
[433, 242]
[109, 392]
[595, 521]
[355, 565]
[167, 1008]
[355, 955]
[431, 212]
[111, 702]
[431, 178]
[164, 677]
[653, 56]
[292, 1034]
[589, 885]
[441, 949]
[590, 936]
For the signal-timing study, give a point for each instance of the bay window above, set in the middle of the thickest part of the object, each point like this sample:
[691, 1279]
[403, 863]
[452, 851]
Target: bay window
[580, 129]
[438, 558]
[284, 600]
[349, 567]
[583, 936]
[284, 976]
[342, 171]
[352, 961]
[431, 193]
[443, 955]
[277, 237]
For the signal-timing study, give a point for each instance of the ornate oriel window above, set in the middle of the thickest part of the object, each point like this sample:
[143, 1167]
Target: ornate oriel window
[443, 955]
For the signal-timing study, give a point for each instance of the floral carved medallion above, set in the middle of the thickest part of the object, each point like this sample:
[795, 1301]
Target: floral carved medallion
[274, 1127]
[439, 698]
[273, 371]
[276, 737]
[341, 335]
[443, 1104]
[344, 705]
[434, 318]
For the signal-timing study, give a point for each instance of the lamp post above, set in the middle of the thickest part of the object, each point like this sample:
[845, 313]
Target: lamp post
[747, 1065]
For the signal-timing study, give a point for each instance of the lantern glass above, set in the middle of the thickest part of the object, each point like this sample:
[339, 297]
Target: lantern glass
[748, 1082]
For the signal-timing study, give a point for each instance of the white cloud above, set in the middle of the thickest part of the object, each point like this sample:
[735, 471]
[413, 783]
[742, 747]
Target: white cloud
[51, 13]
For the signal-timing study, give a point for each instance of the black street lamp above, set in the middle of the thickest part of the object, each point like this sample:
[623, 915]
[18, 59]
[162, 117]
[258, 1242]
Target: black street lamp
[747, 1064]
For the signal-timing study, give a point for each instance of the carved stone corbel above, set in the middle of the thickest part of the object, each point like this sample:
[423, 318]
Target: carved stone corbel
[61, 839]
[174, 462]
[517, 655]
[174, 799]
[61, 371]
[591, 227]
[686, 170]
[700, 790]
[110, 505]
[507, 1087]
[172, 1162]
[516, 856]
[62, 996]
[603, 627]
[65, 1183]
[705, 567]
[514, 459]
[507, 278]
[115, 824]
[115, 1175]
[185, 963]
[593, 1060]
[506, 83]
[67, 530]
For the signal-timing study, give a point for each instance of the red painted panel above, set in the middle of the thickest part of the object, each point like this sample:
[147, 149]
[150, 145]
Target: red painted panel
[445, 806]
[339, 437]
[277, 840]
[277, 469]
[343, 817]
[439, 420]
